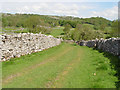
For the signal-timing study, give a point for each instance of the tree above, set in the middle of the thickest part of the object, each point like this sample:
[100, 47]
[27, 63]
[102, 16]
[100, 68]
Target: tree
[76, 34]
[115, 29]
[32, 22]
[83, 32]
[67, 28]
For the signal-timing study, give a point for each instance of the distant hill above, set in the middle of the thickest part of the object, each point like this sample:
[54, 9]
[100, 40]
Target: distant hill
[20, 20]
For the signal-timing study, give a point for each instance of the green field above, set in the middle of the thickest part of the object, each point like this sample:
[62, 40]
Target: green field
[57, 31]
[15, 30]
[63, 66]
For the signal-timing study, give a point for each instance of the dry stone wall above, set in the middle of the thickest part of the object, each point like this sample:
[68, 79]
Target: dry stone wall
[16, 45]
[111, 45]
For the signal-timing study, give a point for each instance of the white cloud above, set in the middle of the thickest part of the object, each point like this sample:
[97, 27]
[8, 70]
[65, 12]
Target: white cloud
[47, 8]
[86, 7]
[62, 9]
[83, 10]
[111, 13]
[54, 9]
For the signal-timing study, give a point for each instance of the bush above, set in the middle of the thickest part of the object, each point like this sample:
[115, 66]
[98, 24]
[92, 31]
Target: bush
[85, 33]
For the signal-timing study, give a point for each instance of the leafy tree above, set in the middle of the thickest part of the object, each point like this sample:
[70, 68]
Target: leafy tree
[32, 22]
[67, 28]
[85, 33]
[115, 29]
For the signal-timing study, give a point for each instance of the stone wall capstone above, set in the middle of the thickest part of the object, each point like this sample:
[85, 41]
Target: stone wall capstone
[111, 45]
[16, 45]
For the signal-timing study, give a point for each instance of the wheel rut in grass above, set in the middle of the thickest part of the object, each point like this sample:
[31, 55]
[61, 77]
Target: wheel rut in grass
[57, 81]
[28, 69]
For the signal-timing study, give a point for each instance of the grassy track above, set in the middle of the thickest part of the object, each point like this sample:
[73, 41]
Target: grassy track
[64, 66]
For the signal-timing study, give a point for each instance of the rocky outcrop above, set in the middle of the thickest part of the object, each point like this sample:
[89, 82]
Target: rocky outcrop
[111, 45]
[16, 45]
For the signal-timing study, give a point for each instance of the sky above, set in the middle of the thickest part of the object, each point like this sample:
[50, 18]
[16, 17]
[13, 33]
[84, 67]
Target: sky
[77, 8]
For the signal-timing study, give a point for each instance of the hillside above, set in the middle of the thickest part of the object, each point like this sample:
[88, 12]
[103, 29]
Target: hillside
[18, 20]
[33, 23]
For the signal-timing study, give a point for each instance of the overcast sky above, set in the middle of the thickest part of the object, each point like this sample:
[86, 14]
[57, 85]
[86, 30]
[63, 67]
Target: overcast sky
[78, 8]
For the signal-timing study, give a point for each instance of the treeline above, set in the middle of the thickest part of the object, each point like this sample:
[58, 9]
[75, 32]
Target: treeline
[98, 22]
[20, 20]
[43, 23]
[34, 23]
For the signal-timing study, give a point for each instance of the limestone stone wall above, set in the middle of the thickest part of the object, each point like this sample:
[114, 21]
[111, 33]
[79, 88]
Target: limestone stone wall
[16, 45]
[111, 45]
